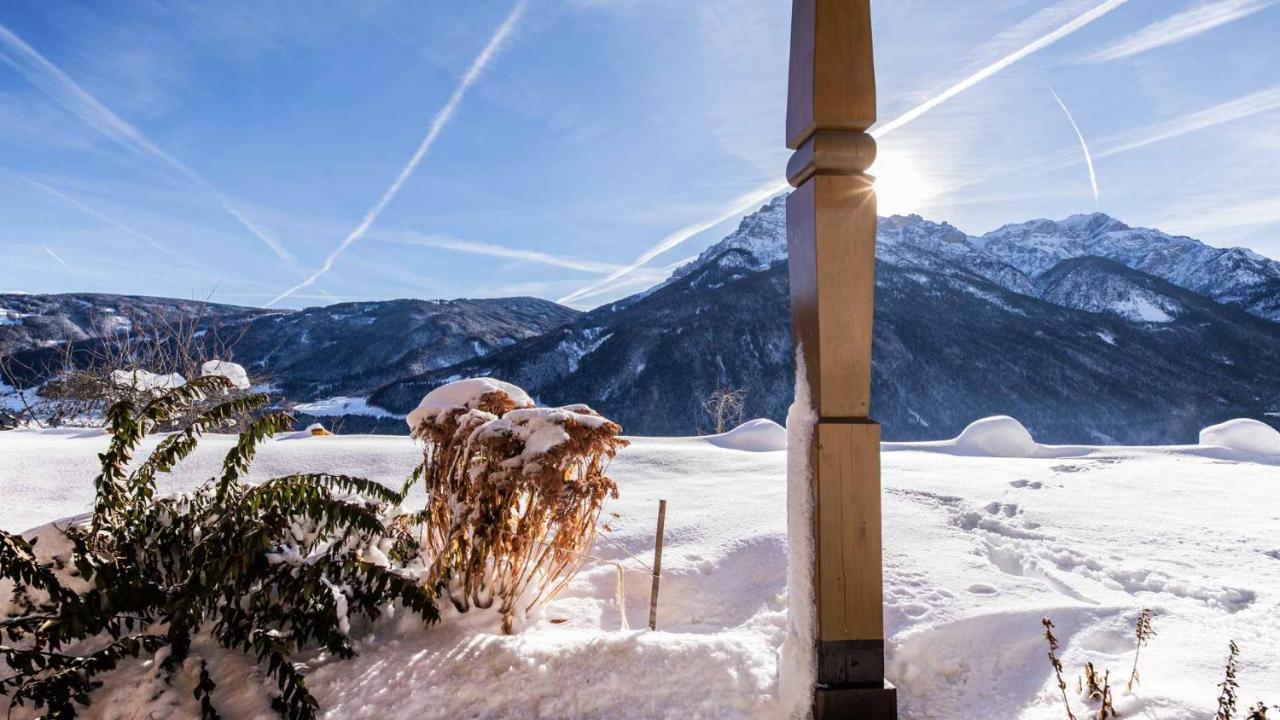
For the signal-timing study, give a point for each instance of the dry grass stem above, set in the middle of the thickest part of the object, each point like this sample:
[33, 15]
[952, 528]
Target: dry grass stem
[1144, 632]
[1057, 664]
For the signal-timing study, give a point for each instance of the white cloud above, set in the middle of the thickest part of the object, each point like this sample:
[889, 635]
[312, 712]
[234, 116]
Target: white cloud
[155, 244]
[736, 208]
[445, 242]
[1238, 109]
[58, 86]
[1243, 107]
[441, 119]
[1218, 215]
[1182, 26]
[1003, 63]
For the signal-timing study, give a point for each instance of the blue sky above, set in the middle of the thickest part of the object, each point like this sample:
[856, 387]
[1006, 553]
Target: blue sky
[302, 153]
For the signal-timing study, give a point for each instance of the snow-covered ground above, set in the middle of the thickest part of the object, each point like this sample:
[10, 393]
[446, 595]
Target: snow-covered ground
[978, 549]
[342, 405]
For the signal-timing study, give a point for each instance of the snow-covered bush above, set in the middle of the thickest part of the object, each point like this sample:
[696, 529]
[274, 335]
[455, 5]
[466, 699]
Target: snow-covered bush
[74, 387]
[265, 569]
[514, 492]
[234, 372]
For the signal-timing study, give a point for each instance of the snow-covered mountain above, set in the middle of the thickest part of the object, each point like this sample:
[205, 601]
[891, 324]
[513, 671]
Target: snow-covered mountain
[1086, 349]
[41, 321]
[349, 349]
[1232, 276]
[1105, 286]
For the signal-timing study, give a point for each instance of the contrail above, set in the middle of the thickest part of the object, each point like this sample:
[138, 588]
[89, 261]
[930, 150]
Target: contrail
[1243, 107]
[54, 255]
[758, 196]
[444, 242]
[1179, 27]
[1038, 44]
[155, 244]
[441, 119]
[646, 277]
[1088, 159]
[1238, 109]
[59, 87]
[735, 208]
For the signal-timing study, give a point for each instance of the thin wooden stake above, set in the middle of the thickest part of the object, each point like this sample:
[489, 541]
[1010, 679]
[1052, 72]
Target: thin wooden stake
[657, 565]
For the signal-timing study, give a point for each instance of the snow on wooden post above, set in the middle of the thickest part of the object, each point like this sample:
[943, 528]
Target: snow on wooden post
[831, 237]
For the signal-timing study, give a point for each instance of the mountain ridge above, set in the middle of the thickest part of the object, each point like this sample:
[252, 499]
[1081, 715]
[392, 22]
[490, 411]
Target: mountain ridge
[1077, 327]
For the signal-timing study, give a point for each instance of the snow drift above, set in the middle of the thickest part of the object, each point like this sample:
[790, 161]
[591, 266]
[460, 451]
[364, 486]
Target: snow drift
[759, 435]
[1244, 435]
[976, 551]
[998, 436]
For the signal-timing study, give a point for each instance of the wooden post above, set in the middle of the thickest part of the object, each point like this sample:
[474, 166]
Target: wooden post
[657, 565]
[831, 238]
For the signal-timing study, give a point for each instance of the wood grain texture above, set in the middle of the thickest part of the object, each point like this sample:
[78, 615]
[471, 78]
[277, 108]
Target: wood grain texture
[832, 72]
[831, 152]
[831, 231]
[831, 239]
[849, 554]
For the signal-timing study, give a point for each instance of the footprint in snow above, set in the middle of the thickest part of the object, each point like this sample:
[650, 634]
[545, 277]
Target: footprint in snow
[1006, 509]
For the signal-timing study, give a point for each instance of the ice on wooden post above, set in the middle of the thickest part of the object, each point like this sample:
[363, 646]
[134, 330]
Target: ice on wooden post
[797, 661]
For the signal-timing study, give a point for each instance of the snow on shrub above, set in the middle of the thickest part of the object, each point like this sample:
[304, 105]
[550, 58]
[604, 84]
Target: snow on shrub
[1244, 435]
[147, 381]
[514, 492]
[232, 371]
[469, 394]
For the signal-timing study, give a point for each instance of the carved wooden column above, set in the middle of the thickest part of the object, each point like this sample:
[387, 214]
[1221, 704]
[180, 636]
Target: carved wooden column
[831, 237]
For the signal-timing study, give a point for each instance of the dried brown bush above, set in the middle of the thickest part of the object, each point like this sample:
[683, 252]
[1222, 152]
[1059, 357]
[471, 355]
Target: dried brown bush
[514, 493]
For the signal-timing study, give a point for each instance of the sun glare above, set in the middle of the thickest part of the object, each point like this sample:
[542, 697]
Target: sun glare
[900, 190]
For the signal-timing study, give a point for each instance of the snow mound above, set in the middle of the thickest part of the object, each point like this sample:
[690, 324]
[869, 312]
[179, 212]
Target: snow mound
[1244, 435]
[232, 371]
[465, 394]
[759, 435]
[998, 436]
[146, 380]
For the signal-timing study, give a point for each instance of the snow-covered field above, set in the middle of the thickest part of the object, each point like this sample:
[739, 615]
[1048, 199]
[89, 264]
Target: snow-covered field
[978, 549]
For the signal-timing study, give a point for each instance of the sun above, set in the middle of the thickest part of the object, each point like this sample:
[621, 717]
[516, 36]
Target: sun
[900, 189]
